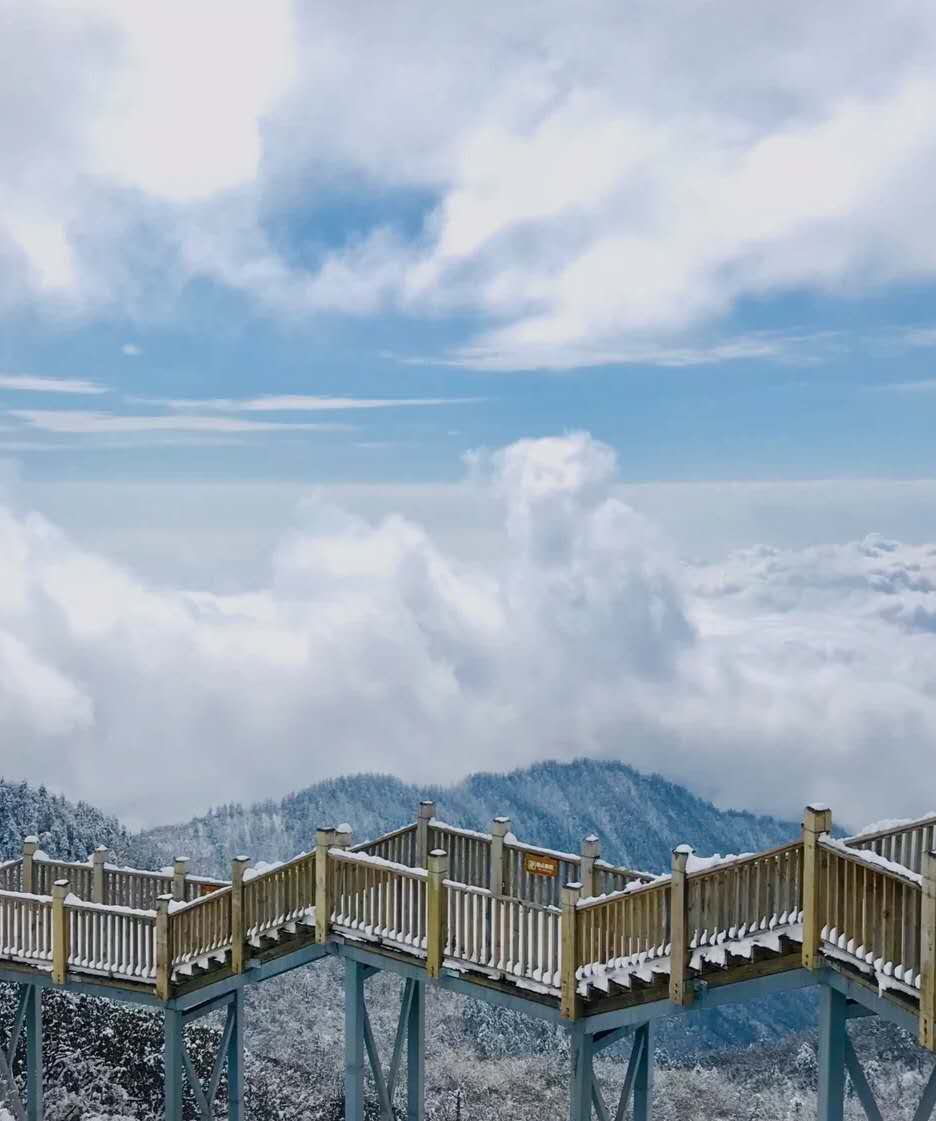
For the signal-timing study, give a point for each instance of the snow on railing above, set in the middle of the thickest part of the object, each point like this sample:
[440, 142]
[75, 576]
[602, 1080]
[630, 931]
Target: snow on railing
[870, 912]
[377, 899]
[26, 927]
[277, 895]
[200, 928]
[900, 841]
[11, 875]
[116, 941]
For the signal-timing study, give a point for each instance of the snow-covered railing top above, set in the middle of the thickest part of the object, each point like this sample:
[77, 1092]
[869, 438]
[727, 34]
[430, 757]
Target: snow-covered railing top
[901, 841]
[553, 923]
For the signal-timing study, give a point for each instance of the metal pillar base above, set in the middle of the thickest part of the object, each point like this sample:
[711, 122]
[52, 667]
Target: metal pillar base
[179, 1068]
[359, 1039]
[586, 1094]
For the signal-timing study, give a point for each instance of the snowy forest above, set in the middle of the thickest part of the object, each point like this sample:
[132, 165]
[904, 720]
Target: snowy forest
[103, 1060]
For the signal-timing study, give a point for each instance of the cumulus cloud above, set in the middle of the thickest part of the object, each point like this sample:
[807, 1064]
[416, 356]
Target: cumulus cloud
[592, 186]
[370, 645]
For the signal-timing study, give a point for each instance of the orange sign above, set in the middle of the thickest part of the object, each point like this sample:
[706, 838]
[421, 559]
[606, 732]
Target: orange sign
[207, 889]
[535, 864]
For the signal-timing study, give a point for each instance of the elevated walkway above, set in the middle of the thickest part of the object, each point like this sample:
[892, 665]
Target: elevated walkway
[566, 937]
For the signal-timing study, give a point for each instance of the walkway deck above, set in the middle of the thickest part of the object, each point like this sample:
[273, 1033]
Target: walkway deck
[562, 935]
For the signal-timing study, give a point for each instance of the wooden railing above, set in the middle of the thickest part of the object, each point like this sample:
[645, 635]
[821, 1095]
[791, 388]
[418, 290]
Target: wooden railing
[903, 844]
[398, 846]
[280, 895]
[378, 900]
[870, 913]
[623, 929]
[469, 852]
[746, 896]
[200, 928]
[509, 936]
[118, 942]
[11, 875]
[80, 877]
[26, 927]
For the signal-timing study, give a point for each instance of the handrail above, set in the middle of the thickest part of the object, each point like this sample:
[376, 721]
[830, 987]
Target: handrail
[117, 941]
[870, 913]
[279, 895]
[903, 843]
[200, 927]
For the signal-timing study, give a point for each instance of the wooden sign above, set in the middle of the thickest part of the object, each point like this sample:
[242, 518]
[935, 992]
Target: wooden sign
[208, 889]
[535, 864]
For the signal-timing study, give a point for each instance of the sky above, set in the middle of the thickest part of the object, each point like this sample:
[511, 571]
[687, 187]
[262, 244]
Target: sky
[342, 344]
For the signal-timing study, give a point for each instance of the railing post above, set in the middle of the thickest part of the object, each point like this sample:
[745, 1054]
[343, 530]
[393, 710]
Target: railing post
[238, 868]
[179, 872]
[59, 932]
[98, 859]
[343, 836]
[816, 821]
[591, 850]
[568, 1004]
[163, 948]
[424, 815]
[680, 988]
[927, 1026]
[30, 844]
[500, 827]
[324, 839]
[437, 919]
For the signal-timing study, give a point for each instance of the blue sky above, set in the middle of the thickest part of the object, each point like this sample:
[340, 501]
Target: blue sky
[717, 261]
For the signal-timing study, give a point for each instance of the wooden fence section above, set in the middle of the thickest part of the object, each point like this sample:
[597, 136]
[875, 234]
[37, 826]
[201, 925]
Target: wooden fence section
[870, 913]
[399, 847]
[200, 928]
[378, 900]
[80, 877]
[116, 942]
[11, 875]
[469, 852]
[279, 896]
[506, 936]
[746, 896]
[26, 928]
[902, 844]
[623, 929]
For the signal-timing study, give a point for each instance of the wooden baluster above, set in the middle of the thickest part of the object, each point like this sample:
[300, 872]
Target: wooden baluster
[238, 868]
[569, 1002]
[437, 912]
[424, 814]
[817, 820]
[680, 988]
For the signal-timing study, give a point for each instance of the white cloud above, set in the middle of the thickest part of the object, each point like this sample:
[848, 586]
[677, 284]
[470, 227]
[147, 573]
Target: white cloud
[32, 383]
[303, 403]
[93, 423]
[371, 646]
[131, 350]
[592, 189]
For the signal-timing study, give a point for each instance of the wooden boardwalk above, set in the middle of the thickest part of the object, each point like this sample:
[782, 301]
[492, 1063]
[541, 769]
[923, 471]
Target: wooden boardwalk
[560, 934]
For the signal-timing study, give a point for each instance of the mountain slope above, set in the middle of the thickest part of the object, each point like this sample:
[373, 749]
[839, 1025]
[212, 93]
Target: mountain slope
[638, 817]
[67, 830]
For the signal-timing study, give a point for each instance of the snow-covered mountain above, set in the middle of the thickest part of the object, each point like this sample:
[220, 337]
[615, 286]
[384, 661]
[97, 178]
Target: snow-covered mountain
[639, 817]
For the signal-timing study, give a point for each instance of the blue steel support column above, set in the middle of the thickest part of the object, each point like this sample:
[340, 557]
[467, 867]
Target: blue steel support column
[354, 1041]
[833, 1015]
[235, 1058]
[172, 1052]
[583, 1049]
[643, 1082]
[416, 1055]
[34, 1053]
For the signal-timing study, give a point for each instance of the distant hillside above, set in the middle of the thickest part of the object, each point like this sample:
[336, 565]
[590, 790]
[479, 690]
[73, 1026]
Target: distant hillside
[638, 817]
[68, 830]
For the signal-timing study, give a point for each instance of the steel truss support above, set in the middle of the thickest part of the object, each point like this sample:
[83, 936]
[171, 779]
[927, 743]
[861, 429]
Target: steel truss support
[360, 1041]
[638, 1081]
[230, 1053]
[29, 1017]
